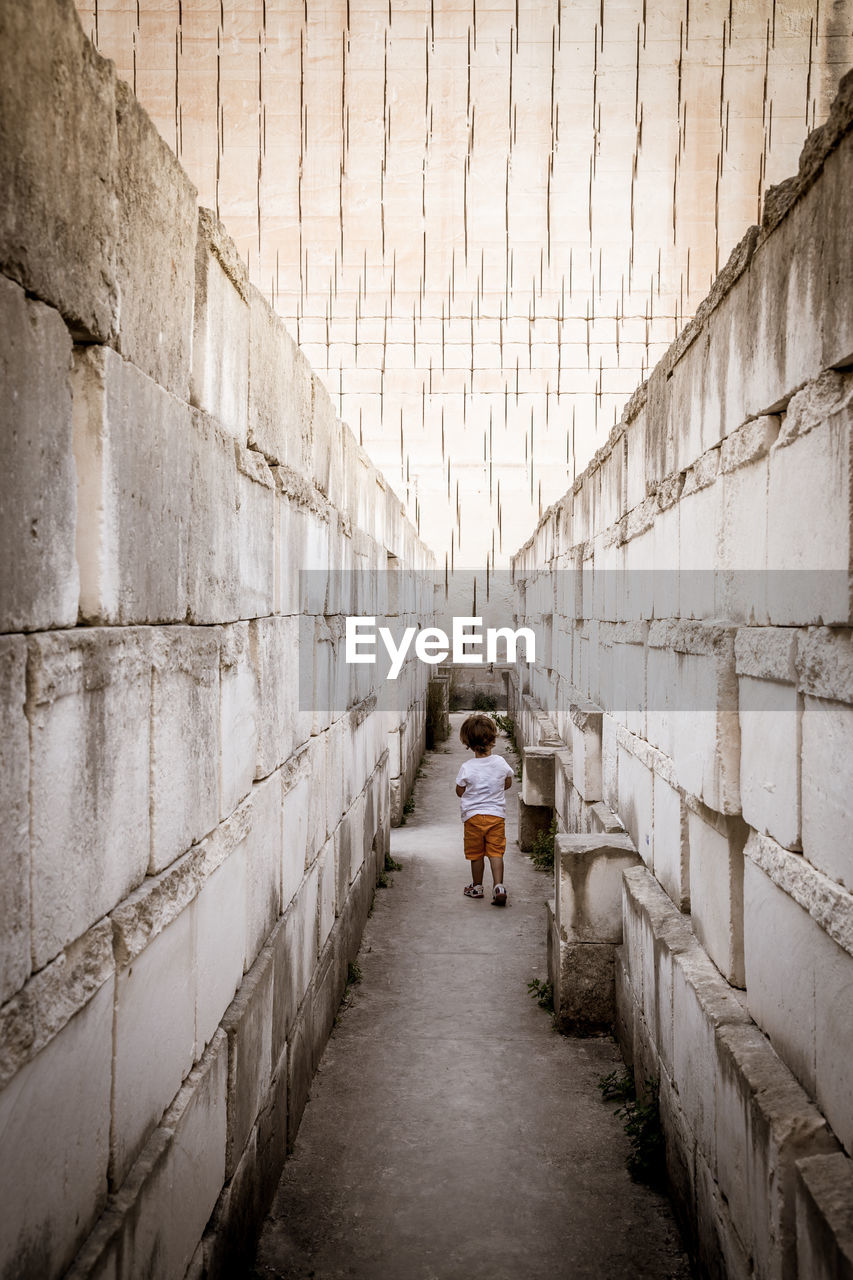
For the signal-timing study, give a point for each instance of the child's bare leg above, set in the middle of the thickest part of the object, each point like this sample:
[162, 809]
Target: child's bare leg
[497, 865]
[478, 867]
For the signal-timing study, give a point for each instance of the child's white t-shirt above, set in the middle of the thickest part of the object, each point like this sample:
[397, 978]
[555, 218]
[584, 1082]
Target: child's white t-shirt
[483, 779]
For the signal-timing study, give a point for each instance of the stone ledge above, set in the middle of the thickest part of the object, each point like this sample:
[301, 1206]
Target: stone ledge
[825, 1217]
[825, 662]
[766, 653]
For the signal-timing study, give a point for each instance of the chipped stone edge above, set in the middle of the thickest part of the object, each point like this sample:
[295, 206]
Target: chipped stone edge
[828, 903]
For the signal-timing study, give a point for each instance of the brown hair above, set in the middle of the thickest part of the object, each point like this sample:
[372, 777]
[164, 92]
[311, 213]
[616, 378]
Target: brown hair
[478, 731]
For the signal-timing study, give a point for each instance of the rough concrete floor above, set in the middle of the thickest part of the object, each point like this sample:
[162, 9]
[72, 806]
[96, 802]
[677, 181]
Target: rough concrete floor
[451, 1134]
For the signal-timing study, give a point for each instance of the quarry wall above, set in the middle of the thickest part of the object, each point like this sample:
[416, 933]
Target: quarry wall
[694, 688]
[197, 790]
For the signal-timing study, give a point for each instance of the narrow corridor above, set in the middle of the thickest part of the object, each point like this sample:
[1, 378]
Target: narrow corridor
[451, 1134]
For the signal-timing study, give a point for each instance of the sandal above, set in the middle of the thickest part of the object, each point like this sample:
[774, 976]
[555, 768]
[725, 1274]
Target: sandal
[473, 891]
[499, 896]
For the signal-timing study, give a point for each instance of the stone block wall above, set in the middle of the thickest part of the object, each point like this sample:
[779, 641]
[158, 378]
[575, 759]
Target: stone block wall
[197, 789]
[692, 601]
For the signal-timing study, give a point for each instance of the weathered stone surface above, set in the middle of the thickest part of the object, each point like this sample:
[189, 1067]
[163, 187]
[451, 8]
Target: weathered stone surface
[256, 541]
[89, 777]
[58, 155]
[586, 750]
[263, 865]
[827, 750]
[133, 446]
[636, 782]
[37, 1013]
[749, 443]
[586, 994]
[809, 580]
[248, 1025]
[280, 391]
[273, 646]
[15, 801]
[771, 730]
[220, 353]
[765, 1122]
[538, 777]
[589, 885]
[154, 1223]
[825, 1217]
[144, 1083]
[671, 847]
[532, 821]
[239, 715]
[213, 544]
[828, 903]
[220, 942]
[825, 663]
[59, 1106]
[38, 512]
[716, 889]
[184, 721]
[767, 653]
[155, 250]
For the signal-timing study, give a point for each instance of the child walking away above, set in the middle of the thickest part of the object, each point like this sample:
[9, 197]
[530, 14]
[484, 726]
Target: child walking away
[481, 785]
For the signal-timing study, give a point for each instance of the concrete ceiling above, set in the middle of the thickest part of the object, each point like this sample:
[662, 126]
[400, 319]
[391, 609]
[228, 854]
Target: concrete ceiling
[484, 220]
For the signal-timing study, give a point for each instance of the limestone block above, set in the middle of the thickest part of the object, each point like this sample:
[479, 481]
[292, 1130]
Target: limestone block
[133, 448]
[55, 1119]
[781, 996]
[220, 352]
[58, 154]
[700, 517]
[586, 992]
[589, 885]
[184, 724]
[327, 895]
[609, 762]
[671, 845]
[162, 977]
[765, 1122]
[324, 441]
[154, 1223]
[248, 1026]
[809, 562]
[741, 581]
[155, 250]
[716, 1236]
[702, 1004]
[318, 804]
[15, 802]
[635, 802]
[255, 534]
[89, 778]
[833, 970]
[770, 730]
[263, 865]
[280, 390]
[273, 647]
[706, 730]
[296, 803]
[220, 948]
[826, 745]
[824, 1195]
[38, 515]
[538, 777]
[213, 544]
[716, 889]
[586, 750]
[239, 715]
[295, 943]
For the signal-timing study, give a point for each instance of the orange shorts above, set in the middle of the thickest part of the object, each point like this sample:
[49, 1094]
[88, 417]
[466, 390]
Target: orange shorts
[484, 835]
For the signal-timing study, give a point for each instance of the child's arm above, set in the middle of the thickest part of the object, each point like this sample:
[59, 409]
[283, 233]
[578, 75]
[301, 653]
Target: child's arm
[507, 782]
[460, 791]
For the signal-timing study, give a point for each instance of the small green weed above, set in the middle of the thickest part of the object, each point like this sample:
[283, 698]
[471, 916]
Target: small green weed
[617, 1086]
[354, 973]
[391, 864]
[409, 806]
[383, 880]
[484, 702]
[542, 993]
[542, 853]
[646, 1160]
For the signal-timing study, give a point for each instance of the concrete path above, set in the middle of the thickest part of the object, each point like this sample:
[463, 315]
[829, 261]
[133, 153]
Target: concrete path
[451, 1134]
